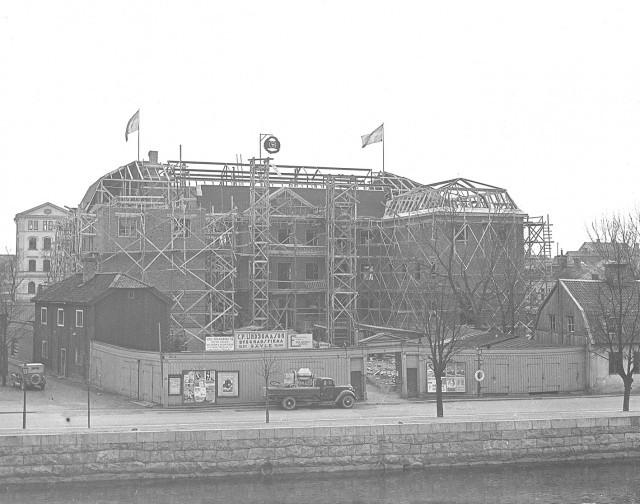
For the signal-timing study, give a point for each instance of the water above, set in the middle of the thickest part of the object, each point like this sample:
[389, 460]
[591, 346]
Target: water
[581, 483]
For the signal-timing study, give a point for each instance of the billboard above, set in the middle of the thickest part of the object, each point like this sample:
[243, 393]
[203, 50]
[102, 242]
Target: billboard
[258, 340]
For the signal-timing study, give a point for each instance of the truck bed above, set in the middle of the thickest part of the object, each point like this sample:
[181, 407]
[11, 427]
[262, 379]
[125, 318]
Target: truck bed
[298, 392]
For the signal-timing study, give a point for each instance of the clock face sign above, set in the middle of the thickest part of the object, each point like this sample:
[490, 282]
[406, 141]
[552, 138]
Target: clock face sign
[272, 145]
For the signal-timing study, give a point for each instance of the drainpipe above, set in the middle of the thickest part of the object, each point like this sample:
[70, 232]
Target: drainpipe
[138, 379]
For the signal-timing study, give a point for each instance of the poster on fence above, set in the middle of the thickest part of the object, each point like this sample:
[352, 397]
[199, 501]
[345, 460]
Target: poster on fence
[228, 383]
[198, 386]
[453, 380]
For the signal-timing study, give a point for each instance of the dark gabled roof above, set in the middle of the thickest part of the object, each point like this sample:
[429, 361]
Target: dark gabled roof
[590, 297]
[74, 290]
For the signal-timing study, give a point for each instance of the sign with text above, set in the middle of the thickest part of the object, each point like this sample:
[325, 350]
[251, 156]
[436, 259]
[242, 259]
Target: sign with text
[219, 344]
[258, 340]
[301, 341]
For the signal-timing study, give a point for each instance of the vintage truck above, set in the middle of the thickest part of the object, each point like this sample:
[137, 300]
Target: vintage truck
[34, 376]
[302, 387]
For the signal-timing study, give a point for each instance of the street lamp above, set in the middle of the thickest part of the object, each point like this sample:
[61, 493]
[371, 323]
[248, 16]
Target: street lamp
[25, 370]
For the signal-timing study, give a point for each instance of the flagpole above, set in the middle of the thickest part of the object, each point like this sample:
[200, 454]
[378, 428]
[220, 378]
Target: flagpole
[139, 135]
[382, 147]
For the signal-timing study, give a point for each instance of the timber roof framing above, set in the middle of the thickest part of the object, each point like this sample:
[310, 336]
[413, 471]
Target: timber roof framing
[461, 195]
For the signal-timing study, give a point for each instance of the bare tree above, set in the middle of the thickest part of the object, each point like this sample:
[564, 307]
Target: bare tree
[10, 319]
[268, 366]
[616, 321]
[514, 276]
[439, 325]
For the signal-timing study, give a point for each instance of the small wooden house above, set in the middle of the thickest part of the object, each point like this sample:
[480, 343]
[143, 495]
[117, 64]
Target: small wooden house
[579, 313]
[112, 308]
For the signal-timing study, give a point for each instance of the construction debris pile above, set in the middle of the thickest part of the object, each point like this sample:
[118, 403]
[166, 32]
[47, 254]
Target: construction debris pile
[382, 373]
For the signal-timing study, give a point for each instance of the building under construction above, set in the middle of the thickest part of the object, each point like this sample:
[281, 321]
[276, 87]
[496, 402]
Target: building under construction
[314, 249]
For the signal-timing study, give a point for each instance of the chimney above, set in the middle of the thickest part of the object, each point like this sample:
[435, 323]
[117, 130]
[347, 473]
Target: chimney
[617, 274]
[562, 260]
[153, 156]
[89, 267]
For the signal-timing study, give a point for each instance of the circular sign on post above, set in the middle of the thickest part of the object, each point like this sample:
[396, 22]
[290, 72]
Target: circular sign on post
[272, 145]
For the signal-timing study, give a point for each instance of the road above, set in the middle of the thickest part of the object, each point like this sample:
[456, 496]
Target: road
[62, 407]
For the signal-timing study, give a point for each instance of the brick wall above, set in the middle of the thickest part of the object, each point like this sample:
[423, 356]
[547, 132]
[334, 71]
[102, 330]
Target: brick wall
[215, 453]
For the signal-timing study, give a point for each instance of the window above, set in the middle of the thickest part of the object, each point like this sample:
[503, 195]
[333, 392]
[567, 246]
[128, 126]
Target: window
[32, 264]
[43, 315]
[570, 323]
[284, 234]
[284, 276]
[61, 317]
[46, 265]
[45, 349]
[552, 322]
[365, 237]
[47, 225]
[31, 288]
[312, 237]
[614, 363]
[132, 294]
[366, 271]
[32, 225]
[13, 347]
[77, 360]
[182, 228]
[460, 234]
[612, 325]
[46, 245]
[33, 243]
[636, 362]
[127, 226]
[79, 318]
[313, 271]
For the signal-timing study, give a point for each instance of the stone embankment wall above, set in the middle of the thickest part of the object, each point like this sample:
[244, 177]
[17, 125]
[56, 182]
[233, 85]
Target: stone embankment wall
[215, 453]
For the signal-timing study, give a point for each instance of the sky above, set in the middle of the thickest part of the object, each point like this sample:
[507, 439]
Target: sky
[541, 98]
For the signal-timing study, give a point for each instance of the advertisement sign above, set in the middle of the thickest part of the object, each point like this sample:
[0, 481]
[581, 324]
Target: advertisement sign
[453, 380]
[228, 383]
[198, 387]
[272, 145]
[175, 382]
[301, 341]
[258, 340]
[210, 386]
[219, 344]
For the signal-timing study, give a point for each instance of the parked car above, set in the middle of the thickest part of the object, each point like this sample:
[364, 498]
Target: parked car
[34, 377]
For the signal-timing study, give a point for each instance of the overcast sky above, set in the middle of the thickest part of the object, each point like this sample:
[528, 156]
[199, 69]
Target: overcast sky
[541, 98]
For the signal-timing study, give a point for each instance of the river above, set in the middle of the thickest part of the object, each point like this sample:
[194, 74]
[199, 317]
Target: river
[582, 483]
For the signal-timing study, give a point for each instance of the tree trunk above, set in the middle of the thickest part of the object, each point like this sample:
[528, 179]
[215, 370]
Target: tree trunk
[4, 355]
[439, 408]
[627, 393]
[266, 404]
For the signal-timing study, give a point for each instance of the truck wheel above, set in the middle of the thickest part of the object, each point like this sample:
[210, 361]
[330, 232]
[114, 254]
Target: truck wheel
[289, 403]
[347, 401]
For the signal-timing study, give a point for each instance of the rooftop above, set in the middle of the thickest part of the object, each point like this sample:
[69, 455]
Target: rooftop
[75, 290]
